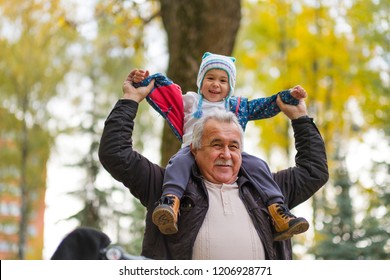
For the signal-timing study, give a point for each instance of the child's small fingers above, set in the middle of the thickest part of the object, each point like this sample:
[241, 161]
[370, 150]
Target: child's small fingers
[299, 92]
[302, 92]
[138, 77]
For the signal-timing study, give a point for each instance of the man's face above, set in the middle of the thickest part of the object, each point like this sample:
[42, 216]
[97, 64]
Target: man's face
[219, 158]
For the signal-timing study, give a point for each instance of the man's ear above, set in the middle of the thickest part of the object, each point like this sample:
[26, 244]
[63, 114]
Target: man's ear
[193, 151]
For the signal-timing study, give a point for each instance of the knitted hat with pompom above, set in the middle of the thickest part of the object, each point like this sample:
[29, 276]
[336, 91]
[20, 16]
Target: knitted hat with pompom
[215, 61]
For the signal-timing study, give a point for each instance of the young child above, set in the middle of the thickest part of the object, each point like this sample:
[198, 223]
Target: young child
[216, 81]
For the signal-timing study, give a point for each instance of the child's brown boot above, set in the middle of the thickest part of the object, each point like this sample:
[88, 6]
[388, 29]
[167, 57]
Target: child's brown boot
[166, 213]
[285, 223]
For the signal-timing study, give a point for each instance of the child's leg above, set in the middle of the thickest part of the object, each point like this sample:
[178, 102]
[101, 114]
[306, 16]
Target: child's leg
[261, 175]
[176, 177]
[177, 173]
[285, 223]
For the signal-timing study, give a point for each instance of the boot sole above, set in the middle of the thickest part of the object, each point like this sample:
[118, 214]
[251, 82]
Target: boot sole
[295, 229]
[165, 221]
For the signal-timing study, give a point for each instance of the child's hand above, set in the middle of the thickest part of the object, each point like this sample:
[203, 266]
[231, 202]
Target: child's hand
[298, 92]
[138, 75]
[132, 93]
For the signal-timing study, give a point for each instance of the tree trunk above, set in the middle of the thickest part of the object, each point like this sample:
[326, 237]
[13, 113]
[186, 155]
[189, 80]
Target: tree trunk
[23, 223]
[194, 27]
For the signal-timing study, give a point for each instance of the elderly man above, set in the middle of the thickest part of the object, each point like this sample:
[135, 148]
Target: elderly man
[222, 216]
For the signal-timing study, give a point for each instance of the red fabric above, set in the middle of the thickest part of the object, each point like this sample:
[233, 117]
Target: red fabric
[168, 101]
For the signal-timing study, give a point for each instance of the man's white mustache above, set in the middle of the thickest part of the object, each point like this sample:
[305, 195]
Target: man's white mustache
[228, 162]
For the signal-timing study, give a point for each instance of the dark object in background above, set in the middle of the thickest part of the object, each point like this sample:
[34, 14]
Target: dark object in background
[82, 244]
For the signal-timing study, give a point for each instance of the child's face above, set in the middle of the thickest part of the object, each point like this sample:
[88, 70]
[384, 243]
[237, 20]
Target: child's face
[215, 85]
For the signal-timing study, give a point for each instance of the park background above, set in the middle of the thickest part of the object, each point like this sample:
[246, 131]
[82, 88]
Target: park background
[62, 65]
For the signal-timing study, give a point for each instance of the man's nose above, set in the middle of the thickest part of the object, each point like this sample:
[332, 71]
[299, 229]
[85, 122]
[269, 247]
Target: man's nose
[225, 152]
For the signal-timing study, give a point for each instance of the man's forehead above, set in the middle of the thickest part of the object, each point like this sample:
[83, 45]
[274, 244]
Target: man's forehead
[217, 140]
[219, 131]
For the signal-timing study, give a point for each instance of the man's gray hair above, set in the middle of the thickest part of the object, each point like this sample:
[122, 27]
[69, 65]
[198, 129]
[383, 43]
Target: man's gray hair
[220, 116]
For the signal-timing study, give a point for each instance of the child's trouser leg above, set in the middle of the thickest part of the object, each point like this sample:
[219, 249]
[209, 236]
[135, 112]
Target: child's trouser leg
[176, 177]
[262, 178]
[285, 223]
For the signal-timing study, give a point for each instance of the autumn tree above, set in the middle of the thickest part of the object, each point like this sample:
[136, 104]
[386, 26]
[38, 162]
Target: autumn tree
[337, 52]
[350, 236]
[34, 57]
[104, 58]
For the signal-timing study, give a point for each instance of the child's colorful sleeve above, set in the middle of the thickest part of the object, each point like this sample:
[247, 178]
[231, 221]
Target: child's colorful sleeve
[166, 98]
[263, 108]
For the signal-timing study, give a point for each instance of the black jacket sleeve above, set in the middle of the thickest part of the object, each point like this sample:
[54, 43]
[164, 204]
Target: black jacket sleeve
[142, 177]
[299, 183]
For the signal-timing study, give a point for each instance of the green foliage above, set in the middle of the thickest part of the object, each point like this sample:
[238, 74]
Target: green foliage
[345, 236]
